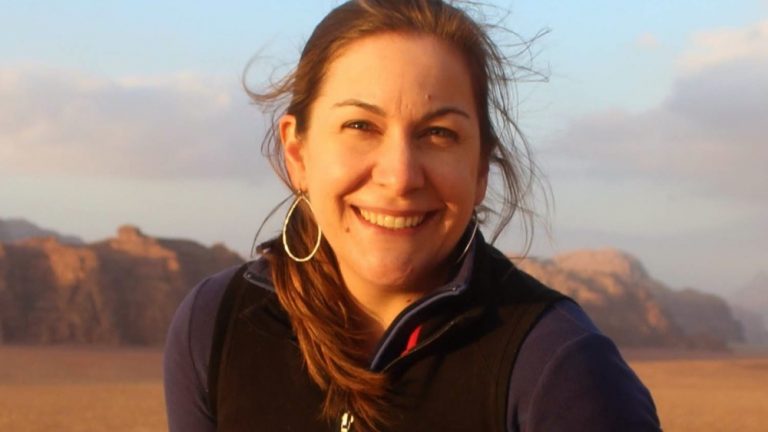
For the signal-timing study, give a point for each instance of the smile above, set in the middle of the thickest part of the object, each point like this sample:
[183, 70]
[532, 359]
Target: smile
[391, 222]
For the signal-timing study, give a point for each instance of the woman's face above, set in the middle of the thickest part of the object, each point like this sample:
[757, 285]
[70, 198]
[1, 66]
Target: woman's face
[391, 159]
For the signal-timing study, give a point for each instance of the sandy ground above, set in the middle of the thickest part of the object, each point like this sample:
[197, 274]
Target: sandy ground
[708, 392]
[81, 390]
[120, 390]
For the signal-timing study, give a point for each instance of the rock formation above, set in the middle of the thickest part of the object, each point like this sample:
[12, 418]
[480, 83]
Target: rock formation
[124, 290]
[750, 303]
[753, 325]
[121, 290]
[631, 307]
[706, 319]
[12, 230]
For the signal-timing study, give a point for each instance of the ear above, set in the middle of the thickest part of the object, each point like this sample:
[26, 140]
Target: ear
[293, 152]
[482, 182]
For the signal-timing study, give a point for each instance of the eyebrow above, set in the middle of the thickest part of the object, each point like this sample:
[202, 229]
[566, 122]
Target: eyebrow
[360, 104]
[440, 112]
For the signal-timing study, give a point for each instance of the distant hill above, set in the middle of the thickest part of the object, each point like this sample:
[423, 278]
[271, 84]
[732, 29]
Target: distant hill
[754, 324]
[751, 305]
[12, 230]
[753, 295]
[633, 308]
[122, 290]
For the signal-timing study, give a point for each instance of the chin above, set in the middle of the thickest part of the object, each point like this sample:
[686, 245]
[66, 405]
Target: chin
[398, 275]
[390, 275]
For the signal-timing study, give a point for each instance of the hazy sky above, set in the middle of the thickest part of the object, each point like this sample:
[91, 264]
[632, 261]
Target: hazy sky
[651, 128]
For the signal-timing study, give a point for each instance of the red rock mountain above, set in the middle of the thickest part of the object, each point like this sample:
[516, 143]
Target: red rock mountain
[12, 230]
[123, 290]
[750, 303]
[632, 307]
[754, 295]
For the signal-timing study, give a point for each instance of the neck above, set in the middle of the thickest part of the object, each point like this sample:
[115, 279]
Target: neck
[383, 307]
[383, 303]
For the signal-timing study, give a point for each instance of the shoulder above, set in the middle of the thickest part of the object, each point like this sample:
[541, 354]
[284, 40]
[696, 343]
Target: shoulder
[189, 336]
[569, 375]
[192, 327]
[188, 347]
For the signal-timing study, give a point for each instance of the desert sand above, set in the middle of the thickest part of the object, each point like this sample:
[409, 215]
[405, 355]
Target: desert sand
[120, 390]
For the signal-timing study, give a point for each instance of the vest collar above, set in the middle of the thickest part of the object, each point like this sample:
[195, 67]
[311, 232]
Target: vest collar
[448, 309]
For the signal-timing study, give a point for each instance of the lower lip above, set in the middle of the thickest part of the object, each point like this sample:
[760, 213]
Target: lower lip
[398, 231]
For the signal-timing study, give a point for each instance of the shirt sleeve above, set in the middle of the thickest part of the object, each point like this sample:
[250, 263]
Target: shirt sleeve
[573, 378]
[185, 361]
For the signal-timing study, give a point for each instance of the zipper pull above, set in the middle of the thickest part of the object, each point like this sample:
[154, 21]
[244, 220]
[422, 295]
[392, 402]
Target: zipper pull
[346, 422]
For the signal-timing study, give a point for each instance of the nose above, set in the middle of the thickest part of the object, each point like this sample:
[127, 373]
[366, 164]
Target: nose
[398, 165]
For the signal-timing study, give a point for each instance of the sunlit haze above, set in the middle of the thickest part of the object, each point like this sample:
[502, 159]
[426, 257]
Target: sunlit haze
[651, 129]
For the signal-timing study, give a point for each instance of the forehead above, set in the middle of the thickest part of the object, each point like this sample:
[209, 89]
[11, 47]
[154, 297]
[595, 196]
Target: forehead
[399, 71]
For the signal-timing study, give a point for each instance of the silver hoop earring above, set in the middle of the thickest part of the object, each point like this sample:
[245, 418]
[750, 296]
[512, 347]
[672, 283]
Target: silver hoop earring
[296, 201]
[471, 238]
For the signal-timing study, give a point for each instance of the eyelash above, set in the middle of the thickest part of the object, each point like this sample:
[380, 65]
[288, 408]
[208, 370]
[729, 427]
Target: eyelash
[360, 125]
[441, 132]
[434, 131]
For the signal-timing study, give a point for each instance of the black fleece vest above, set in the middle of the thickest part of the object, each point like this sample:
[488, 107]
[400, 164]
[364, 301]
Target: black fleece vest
[455, 379]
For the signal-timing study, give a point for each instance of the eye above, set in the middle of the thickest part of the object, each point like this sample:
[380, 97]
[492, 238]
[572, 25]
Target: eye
[361, 125]
[441, 133]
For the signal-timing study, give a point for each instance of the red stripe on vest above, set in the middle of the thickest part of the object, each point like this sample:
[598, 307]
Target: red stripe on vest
[412, 339]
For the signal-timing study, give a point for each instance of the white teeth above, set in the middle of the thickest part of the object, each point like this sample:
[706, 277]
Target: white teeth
[391, 222]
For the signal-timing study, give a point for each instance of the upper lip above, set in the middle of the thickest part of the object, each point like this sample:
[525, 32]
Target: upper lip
[391, 212]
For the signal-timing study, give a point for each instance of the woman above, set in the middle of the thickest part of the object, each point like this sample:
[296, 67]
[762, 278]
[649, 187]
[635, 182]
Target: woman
[381, 307]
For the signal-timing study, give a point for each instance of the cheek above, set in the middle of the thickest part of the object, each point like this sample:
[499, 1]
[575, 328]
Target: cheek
[331, 174]
[455, 179]
[329, 168]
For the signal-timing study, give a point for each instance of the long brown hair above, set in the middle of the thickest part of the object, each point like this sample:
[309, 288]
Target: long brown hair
[328, 323]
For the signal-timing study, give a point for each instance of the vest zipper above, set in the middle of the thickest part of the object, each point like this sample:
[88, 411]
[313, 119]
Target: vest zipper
[407, 313]
[346, 422]
[423, 345]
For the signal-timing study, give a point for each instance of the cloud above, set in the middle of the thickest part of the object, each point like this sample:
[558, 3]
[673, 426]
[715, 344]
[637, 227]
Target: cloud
[185, 126]
[708, 134]
[647, 41]
[721, 46]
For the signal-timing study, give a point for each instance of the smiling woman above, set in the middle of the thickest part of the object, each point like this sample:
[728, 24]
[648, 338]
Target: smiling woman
[381, 307]
[398, 143]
